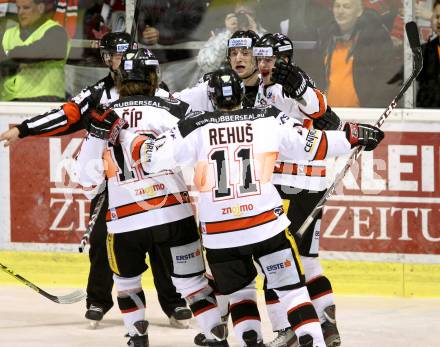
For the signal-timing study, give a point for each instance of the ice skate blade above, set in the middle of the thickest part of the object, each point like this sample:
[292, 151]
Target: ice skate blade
[93, 324]
[179, 324]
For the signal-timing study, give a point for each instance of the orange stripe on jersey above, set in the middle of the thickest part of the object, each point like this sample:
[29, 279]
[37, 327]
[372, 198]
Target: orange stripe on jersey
[72, 112]
[322, 106]
[305, 170]
[146, 205]
[321, 152]
[136, 148]
[307, 123]
[54, 132]
[240, 223]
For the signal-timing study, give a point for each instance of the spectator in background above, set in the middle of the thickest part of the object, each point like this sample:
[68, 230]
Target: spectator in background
[391, 12]
[66, 14]
[422, 10]
[167, 23]
[428, 95]
[212, 54]
[357, 52]
[300, 20]
[33, 55]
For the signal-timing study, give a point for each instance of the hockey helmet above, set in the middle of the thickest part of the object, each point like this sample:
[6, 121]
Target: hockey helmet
[138, 64]
[242, 39]
[117, 42]
[277, 45]
[225, 89]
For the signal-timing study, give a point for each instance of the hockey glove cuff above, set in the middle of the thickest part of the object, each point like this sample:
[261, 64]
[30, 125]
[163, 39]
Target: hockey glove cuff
[106, 124]
[367, 135]
[328, 121]
[290, 77]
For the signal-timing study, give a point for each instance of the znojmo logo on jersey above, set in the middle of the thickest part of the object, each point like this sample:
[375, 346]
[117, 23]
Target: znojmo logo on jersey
[237, 210]
[150, 190]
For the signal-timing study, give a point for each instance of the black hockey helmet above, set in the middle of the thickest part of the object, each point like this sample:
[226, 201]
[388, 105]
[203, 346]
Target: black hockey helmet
[242, 39]
[277, 45]
[225, 89]
[117, 42]
[137, 65]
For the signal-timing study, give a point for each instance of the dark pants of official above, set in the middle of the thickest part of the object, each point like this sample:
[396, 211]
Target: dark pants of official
[100, 281]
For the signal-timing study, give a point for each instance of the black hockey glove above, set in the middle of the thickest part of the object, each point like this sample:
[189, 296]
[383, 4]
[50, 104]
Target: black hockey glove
[106, 125]
[290, 77]
[367, 135]
[328, 121]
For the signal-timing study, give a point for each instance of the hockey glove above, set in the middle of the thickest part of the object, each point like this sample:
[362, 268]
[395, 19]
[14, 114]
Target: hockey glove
[328, 121]
[290, 77]
[106, 124]
[367, 135]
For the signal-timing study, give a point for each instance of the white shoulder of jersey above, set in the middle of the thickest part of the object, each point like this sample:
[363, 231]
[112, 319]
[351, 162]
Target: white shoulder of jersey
[88, 168]
[197, 97]
[162, 93]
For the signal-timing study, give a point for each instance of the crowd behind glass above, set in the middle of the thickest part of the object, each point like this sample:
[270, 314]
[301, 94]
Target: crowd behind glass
[353, 49]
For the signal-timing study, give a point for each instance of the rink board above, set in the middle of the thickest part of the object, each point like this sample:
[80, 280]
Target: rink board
[381, 227]
[347, 277]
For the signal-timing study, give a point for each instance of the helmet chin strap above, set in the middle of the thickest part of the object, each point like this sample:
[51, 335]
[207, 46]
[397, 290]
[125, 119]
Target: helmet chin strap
[250, 75]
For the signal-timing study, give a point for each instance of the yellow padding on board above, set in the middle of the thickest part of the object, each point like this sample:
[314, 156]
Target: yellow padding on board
[47, 269]
[383, 279]
[347, 277]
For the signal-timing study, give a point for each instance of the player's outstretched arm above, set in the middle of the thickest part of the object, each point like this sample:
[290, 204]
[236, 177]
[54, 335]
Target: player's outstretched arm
[10, 136]
[302, 144]
[366, 135]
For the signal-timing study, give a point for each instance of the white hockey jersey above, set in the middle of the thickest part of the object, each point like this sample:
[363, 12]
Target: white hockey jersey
[137, 199]
[299, 174]
[233, 155]
[197, 97]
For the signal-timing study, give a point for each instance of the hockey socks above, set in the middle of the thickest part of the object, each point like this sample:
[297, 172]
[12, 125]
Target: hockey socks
[321, 294]
[244, 312]
[132, 308]
[301, 314]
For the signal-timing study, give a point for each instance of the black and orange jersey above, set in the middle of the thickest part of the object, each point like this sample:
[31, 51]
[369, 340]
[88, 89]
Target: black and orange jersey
[69, 117]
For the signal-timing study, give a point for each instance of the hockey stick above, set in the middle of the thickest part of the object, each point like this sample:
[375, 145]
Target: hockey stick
[133, 32]
[412, 33]
[93, 218]
[71, 298]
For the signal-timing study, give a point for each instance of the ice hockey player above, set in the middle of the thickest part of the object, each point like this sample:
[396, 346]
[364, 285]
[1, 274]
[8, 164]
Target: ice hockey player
[302, 184]
[240, 59]
[147, 210]
[233, 151]
[67, 119]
